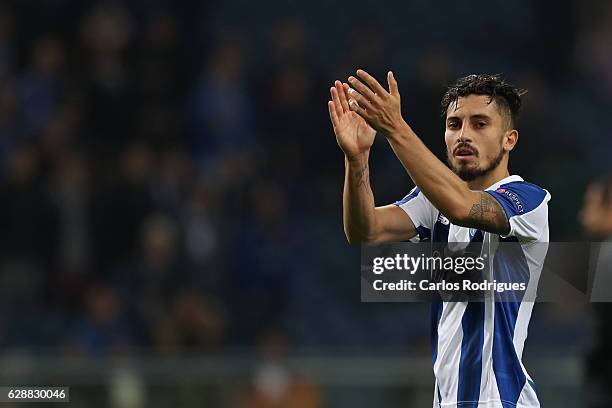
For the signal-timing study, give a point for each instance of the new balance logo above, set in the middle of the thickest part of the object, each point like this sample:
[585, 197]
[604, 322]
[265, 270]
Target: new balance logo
[443, 220]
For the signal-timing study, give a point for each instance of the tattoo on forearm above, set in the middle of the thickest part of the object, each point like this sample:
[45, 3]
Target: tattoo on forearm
[488, 213]
[362, 178]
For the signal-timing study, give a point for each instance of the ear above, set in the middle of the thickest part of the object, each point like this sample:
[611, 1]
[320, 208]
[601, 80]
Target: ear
[510, 139]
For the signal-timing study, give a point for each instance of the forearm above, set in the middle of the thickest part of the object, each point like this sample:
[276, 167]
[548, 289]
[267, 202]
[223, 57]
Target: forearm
[358, 201]
[444, 189]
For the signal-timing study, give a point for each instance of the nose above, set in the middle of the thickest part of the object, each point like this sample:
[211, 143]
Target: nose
[464, 134]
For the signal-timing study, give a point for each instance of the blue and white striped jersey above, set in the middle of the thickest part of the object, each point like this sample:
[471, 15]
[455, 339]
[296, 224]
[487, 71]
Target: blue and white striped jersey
[477, 346]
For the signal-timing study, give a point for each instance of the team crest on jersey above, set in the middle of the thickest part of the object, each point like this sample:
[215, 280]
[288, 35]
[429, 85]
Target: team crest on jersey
[442, 219]
[516, 201]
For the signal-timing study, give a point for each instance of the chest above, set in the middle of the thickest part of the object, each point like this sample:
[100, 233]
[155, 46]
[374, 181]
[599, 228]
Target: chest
[444, 231]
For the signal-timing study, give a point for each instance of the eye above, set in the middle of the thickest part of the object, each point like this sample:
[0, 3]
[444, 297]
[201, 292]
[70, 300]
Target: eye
[481, 124]
[453, 125]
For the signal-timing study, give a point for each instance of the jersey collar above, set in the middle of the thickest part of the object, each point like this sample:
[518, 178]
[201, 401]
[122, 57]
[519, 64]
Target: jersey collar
[508, 179]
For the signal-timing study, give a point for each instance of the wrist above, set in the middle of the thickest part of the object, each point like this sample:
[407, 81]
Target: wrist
[401, 132]
[357, 159]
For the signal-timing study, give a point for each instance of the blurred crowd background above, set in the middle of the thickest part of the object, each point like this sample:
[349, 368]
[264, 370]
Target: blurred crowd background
[170, 184]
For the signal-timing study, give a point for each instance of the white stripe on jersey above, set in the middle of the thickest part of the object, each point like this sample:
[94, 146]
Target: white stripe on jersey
[450, 337]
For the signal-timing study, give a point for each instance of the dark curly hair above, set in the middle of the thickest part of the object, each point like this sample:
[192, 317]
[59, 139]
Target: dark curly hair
[506, 97]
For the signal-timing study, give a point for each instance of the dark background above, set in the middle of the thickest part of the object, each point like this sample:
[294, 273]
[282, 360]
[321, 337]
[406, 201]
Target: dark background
[170, 188]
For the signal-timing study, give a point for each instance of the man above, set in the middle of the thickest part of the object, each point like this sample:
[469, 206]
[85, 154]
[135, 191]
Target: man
[476, 346]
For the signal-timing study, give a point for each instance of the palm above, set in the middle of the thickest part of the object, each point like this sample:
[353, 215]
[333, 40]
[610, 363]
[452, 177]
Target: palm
[353, 134]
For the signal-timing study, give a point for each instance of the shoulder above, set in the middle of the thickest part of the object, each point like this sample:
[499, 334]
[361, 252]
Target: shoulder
[414, 199]
[418, 207]
[520, 197]
[414, 193]
[526, 206]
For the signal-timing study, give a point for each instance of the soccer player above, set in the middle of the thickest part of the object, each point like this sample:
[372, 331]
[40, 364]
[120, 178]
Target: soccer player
[476, 346]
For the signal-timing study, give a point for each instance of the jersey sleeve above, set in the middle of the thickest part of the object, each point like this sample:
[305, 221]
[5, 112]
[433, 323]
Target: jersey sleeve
[526, 206]
[420, 210]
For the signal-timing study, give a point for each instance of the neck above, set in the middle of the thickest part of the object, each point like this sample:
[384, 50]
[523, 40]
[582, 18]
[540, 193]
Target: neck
[487, 180]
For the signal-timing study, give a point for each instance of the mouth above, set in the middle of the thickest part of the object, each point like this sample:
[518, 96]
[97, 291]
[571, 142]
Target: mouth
[464, 154]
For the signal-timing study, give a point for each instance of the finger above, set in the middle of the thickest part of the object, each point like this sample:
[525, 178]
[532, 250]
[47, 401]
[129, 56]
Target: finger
[355, 107]
[332, 113]
[346, 88]
[393, 88]
[336, 100]
[372, 83]
[362, 88]
[342, 93]
[360, 99]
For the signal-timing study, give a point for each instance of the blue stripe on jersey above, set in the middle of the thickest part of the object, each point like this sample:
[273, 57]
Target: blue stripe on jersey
[474, 248]
[423, 233]
[477, 237]
[415, 192]
[510, 265]
[506, 365]
[470, 365]
[440, 231]
[518, 197]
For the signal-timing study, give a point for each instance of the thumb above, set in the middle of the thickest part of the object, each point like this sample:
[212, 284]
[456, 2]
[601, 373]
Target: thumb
[393, 89]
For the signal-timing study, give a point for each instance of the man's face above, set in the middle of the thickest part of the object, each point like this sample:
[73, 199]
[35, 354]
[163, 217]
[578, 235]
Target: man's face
[474, 136]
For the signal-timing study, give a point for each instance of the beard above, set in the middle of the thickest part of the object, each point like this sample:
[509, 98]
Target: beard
[469, 174]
